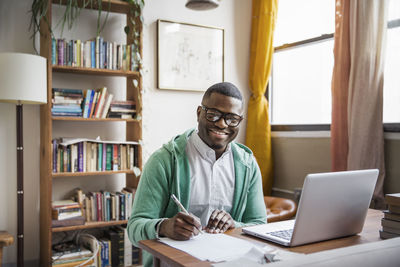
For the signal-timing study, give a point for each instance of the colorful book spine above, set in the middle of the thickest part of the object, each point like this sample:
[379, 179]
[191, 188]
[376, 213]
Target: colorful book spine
[104, 157]
[80, 157]
[93, 53]
[115, 158]
[86, 103]
[101, 53]
[109, 157]
[104, 55]
[122, 206]
[100, 157]
[54, 155]
[53, 51]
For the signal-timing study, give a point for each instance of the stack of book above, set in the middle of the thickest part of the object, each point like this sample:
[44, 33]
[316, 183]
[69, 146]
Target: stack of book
[69, 254]
[391, 219]
[122, 109]
[67, 102]
[66, 212]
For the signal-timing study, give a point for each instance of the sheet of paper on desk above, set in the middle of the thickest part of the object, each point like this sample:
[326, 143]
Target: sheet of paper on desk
[212, 247]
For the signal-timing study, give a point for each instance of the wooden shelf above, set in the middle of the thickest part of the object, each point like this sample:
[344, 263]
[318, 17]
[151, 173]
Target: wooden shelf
[106, 5]
[91, 71]
[88, 225]
[50, 124]
[91, 119]
[78, 174]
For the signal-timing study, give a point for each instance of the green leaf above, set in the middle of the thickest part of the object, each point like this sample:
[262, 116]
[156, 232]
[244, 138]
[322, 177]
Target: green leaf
[126, 29]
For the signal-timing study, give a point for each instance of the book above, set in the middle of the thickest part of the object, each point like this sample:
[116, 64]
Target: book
[127, 247]
[78, 261]
[394, 209]
[107, 105]
[66, 215]
[62, 255]
[91, 243]
[391, 216]
[103, 92]
[88, 101]
[109, 157]
[393, 199]
[65, 203]
[386, 235]
[54, 147]
[100, 157]
[92, 103]
[391, 230]
[68, 222]
[114, 240]
[135, 255]
[390, 223]
[121, 245]
[79, 196]
[88, 209]
[105, 252]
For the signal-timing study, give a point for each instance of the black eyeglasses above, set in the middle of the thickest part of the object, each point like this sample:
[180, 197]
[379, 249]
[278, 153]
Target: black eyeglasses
[214, 115]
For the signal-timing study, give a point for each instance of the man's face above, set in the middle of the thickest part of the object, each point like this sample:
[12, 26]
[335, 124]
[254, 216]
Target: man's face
[218, 135]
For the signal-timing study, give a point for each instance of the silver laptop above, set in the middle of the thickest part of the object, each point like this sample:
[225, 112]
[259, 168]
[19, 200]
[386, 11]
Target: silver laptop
[332, 205]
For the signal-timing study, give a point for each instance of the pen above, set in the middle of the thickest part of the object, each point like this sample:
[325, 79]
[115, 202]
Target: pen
[182, 208]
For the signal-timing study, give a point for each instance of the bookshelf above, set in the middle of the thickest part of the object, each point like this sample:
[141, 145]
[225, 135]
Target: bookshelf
[133, 126]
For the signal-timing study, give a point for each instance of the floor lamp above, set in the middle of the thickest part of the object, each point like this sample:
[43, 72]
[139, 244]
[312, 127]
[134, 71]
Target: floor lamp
[23, 80]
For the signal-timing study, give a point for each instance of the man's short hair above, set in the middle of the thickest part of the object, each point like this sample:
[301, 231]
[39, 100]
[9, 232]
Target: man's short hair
[224, 88]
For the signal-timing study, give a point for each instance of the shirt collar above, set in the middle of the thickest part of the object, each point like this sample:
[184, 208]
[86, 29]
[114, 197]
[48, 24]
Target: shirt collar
[205, 151]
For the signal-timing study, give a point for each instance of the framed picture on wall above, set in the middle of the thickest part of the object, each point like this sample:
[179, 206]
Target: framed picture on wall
[190, 57]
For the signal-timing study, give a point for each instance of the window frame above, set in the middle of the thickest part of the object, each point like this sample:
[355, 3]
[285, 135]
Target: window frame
[387, 127]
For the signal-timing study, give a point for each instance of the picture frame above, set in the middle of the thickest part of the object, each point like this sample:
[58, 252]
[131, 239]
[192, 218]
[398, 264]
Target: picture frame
[190, 57]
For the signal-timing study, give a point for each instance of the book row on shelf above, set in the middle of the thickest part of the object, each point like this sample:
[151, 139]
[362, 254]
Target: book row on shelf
[391, 217]
[107, 247]
[102, 206]
[90, 103]
[92, 155]
[94, 53]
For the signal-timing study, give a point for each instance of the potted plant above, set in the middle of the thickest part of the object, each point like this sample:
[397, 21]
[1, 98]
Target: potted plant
[72, 11]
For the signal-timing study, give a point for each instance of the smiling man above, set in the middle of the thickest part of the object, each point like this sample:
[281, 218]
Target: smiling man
[217, 180]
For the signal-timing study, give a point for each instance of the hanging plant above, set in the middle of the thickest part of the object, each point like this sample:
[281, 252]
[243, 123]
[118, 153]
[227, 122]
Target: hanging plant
[72, 11]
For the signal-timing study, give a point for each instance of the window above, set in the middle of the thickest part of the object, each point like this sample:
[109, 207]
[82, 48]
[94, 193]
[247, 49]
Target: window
[391, 85]
[300, 88]
[303, 63]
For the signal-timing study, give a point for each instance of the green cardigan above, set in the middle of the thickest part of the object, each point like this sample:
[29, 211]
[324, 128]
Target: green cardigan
[167, 172]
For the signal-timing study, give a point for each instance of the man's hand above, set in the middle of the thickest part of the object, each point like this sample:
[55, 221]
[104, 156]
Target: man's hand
[180, 227]
[219, 222]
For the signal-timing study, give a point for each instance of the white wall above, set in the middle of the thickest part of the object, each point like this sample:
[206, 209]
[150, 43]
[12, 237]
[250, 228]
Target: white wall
[165, 114]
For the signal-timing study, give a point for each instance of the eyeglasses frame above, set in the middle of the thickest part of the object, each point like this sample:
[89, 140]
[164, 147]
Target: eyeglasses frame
[223, 115]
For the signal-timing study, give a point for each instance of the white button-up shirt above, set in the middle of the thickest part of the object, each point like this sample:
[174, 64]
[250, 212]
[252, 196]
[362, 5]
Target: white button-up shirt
[212, 181]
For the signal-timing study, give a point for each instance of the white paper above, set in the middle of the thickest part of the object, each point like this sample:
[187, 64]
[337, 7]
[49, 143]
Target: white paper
[212, 247]
[257, 257]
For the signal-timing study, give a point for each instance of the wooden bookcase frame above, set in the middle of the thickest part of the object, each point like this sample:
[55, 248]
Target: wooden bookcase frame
[133, 126]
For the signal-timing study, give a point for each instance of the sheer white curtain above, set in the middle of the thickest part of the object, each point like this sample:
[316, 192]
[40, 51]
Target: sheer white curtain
[357, 88]
[368, 24]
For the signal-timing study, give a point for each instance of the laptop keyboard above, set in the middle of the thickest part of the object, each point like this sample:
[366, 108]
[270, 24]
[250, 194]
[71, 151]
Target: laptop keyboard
[284, 234]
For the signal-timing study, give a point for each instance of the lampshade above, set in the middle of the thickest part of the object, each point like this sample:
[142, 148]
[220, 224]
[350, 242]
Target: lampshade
[23, 78]
[202, 4]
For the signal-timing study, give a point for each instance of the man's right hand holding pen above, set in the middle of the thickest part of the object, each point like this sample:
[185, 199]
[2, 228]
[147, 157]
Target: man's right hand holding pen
[180, 227]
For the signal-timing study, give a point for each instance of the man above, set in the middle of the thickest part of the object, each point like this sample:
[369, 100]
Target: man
[218, 181]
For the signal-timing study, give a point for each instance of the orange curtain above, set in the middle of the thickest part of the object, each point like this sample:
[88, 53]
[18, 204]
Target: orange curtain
[258, 132]
[340, 87]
